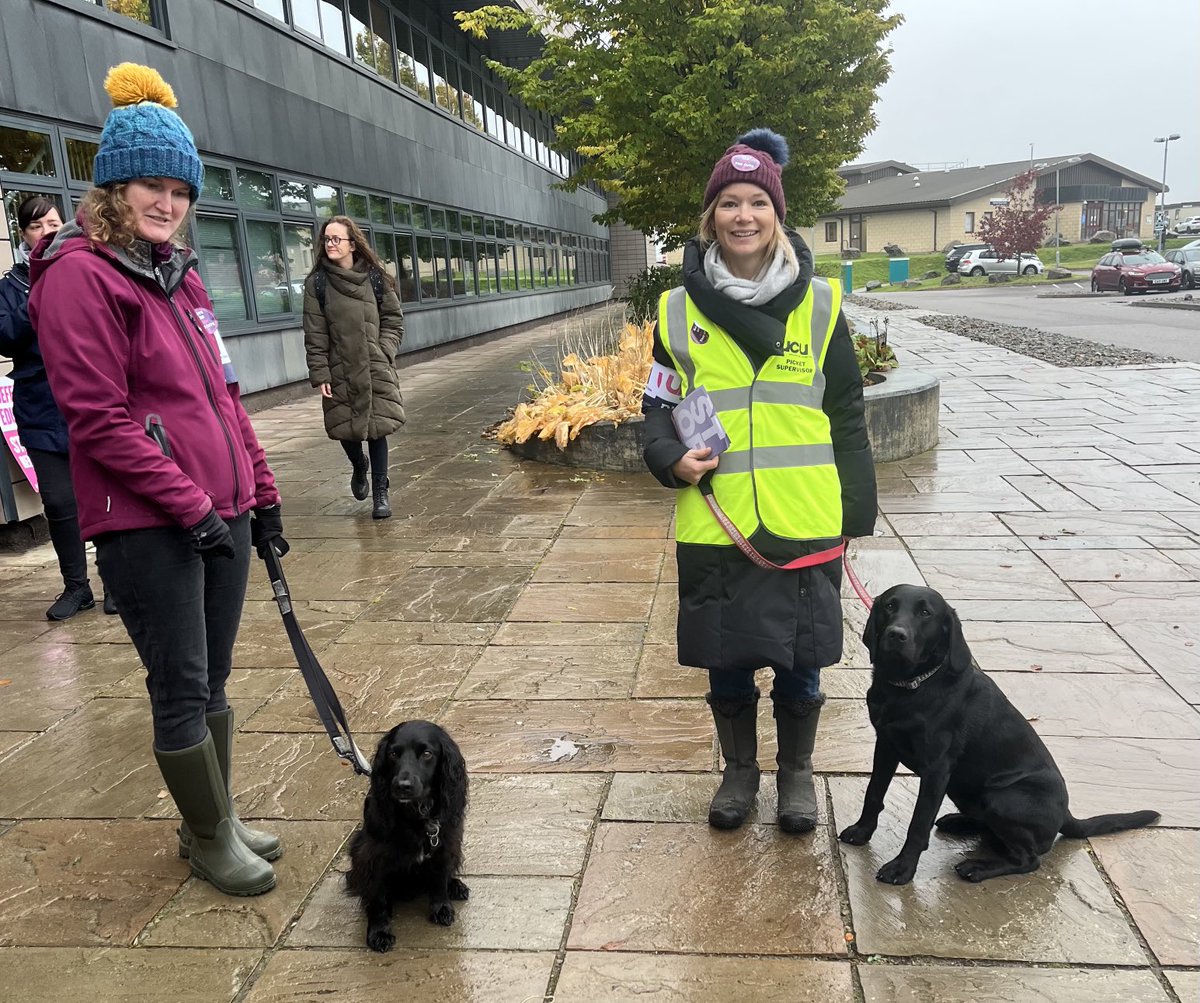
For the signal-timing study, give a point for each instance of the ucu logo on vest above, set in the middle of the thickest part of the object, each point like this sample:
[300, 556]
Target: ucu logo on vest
[795, 347]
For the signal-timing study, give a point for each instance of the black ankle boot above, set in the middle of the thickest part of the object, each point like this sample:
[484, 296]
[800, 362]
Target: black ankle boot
[71, 601]
[110, 605]
[358, 480]
[382, 509]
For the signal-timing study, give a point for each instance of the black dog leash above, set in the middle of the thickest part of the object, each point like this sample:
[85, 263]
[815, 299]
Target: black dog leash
[319, 688]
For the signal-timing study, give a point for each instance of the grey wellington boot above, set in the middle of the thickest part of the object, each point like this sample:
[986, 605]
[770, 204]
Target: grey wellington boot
[216, 854]
[737, 731]
[796, 728]
[265, 844]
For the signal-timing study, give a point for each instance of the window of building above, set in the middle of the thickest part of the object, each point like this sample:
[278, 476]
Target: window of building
[322, 19]
[406, 268]
[136, 10]
[218, 184]
[295, 196]
[402, 213]
[420, 65]
[385, 248]
[968, 222]
[435, 282]
[437, 219]
[486, 268]
[80, 156]
[420, 216]
[23, 151]
[307, 17]
[219, 252]
[360, 33]
[462, 267]
[272, 8]
[256, 189]
[327, 200]
[299, 248]
[268, 270]
[380, 210]
[831, 233]
[356, 205]
[381, 40]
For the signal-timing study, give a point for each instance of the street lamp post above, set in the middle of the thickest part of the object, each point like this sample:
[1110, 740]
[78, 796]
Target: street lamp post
[1162, 233]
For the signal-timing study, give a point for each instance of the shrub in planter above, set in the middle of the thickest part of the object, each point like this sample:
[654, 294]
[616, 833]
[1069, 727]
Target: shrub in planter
[645, 288]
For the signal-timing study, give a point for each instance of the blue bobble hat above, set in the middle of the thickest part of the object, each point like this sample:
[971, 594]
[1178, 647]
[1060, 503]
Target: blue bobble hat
[143, 137]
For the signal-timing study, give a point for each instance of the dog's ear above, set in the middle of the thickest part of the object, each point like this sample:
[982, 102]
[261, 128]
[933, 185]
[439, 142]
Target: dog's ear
[870, 636]
[380, 759]
[958, 653]
[451, 780]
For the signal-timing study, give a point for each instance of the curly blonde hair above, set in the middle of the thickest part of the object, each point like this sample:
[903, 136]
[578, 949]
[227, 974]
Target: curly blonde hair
[109, 219]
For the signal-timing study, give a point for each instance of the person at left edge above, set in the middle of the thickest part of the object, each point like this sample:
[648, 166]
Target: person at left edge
[132, 348]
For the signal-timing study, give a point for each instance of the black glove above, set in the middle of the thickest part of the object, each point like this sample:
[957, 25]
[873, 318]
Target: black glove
[266, 529]
[211, 537]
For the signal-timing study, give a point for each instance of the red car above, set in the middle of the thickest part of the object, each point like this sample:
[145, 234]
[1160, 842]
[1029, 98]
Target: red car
[1136, 270]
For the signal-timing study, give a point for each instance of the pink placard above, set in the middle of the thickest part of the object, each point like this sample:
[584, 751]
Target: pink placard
[8, 425]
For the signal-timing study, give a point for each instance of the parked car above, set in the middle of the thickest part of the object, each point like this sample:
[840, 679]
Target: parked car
[1129, 267]
[1191, 245]
[957, 252]
[1188, 260]
[987, 261]
[1189, 225]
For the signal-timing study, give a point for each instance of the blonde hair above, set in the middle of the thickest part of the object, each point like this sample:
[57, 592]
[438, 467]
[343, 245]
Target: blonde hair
[109, 219]
[708, 234]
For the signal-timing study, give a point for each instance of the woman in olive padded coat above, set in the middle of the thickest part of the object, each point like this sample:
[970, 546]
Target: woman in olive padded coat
[353, 327]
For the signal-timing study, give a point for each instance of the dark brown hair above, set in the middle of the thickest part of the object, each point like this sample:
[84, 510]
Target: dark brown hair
[34, 208]
[364, 254]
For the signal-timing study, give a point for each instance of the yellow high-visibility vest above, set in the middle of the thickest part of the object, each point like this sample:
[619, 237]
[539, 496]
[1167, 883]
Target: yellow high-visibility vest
[779, 471]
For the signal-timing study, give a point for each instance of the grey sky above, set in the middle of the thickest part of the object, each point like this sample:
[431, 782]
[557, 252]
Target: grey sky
[1098, 76]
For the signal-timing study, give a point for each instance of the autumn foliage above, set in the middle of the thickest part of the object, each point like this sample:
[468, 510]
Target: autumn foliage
[1020, 226]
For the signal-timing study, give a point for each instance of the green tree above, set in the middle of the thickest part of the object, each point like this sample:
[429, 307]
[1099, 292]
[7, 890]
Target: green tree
[651, 92]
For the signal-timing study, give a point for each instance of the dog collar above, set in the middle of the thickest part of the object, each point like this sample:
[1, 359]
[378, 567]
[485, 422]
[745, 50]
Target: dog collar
[433, 832]
[912, 684]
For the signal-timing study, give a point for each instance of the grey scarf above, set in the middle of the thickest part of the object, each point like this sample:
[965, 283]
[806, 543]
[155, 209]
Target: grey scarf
[776, 274]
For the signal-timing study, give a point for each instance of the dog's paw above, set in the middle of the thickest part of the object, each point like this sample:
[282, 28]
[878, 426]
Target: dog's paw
[442, 914]
[972, 870]
[896, 872]
[857, 834]
[382, 940]
[458, 891]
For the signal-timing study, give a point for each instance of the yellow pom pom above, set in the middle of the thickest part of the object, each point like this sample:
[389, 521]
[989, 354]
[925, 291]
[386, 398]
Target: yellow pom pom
[131, 83]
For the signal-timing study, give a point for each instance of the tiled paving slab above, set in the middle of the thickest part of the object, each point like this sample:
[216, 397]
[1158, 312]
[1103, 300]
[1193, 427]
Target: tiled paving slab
[1063, 913]
[762, 892]
[551, 672]
[960, 984]
[1171, 649]
[465, 595]
[302, 976]
[621, 977]
[130, 975]
[1185, 984]
[504, 914]
[684, 797]
[1016, 646]
[1155, 873]
[47, 681]
[74, 883]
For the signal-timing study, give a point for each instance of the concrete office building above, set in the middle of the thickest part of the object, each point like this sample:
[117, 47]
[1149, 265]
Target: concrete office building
[380, 110]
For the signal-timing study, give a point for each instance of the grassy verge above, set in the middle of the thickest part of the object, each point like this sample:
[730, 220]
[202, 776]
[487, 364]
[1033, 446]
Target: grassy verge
[981, 282]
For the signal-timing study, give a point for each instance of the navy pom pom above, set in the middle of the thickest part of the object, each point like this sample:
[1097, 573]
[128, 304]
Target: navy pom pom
[770, 143]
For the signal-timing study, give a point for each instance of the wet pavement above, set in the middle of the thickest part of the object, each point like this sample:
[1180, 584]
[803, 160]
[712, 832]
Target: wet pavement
[519, 605]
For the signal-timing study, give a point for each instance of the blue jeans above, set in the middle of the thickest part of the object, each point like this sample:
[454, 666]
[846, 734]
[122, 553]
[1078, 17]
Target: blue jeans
[790, 684]
[182, 612]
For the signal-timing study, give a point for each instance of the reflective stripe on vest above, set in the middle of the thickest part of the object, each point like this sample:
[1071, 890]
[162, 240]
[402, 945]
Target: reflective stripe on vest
[779, 472]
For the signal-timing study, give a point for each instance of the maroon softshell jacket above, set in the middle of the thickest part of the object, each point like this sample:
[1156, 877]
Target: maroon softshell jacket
[124, 340]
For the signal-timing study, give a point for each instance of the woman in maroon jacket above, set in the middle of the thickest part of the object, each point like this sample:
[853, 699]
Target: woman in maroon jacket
[171, 482]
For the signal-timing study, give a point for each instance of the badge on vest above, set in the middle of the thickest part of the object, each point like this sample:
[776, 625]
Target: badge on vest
[697, 423]
[699, 335]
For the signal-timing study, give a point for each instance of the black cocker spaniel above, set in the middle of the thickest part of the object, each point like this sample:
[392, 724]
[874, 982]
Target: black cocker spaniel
[411, 837]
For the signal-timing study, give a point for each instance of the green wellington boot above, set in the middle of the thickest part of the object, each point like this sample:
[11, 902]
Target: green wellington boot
[737, 731]
[215, 853]
[265, 844]
[796, 728]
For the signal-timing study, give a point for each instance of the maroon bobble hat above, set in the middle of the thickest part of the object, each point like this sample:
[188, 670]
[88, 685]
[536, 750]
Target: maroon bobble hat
[758, 158]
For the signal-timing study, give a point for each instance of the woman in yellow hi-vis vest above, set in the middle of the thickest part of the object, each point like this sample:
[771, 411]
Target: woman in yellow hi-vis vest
[761, 518]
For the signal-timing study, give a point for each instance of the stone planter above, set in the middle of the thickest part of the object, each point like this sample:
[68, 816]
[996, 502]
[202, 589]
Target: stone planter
[902, 420]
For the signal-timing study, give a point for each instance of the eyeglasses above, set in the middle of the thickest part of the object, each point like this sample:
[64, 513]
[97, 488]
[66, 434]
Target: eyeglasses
[333, 241]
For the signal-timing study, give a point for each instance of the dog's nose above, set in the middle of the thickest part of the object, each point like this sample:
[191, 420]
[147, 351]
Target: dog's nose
[894, 633]
[403, 787]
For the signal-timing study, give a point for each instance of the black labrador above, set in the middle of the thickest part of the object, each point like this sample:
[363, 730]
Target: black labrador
[411, 837]
[935, 711]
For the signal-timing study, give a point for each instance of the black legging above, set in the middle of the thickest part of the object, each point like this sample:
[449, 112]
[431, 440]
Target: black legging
[377, 449]
[58, 502]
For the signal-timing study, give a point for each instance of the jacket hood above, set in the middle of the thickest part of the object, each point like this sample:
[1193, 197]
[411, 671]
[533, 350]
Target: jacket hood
[163, 264]
[759, 328]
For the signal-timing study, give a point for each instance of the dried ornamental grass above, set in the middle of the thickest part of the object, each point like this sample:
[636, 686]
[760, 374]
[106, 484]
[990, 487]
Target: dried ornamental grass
[591, 386]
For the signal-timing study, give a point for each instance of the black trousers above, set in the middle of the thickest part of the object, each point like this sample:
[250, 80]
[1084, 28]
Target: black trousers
[377, 449]
[182, 612]
[58, 502]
